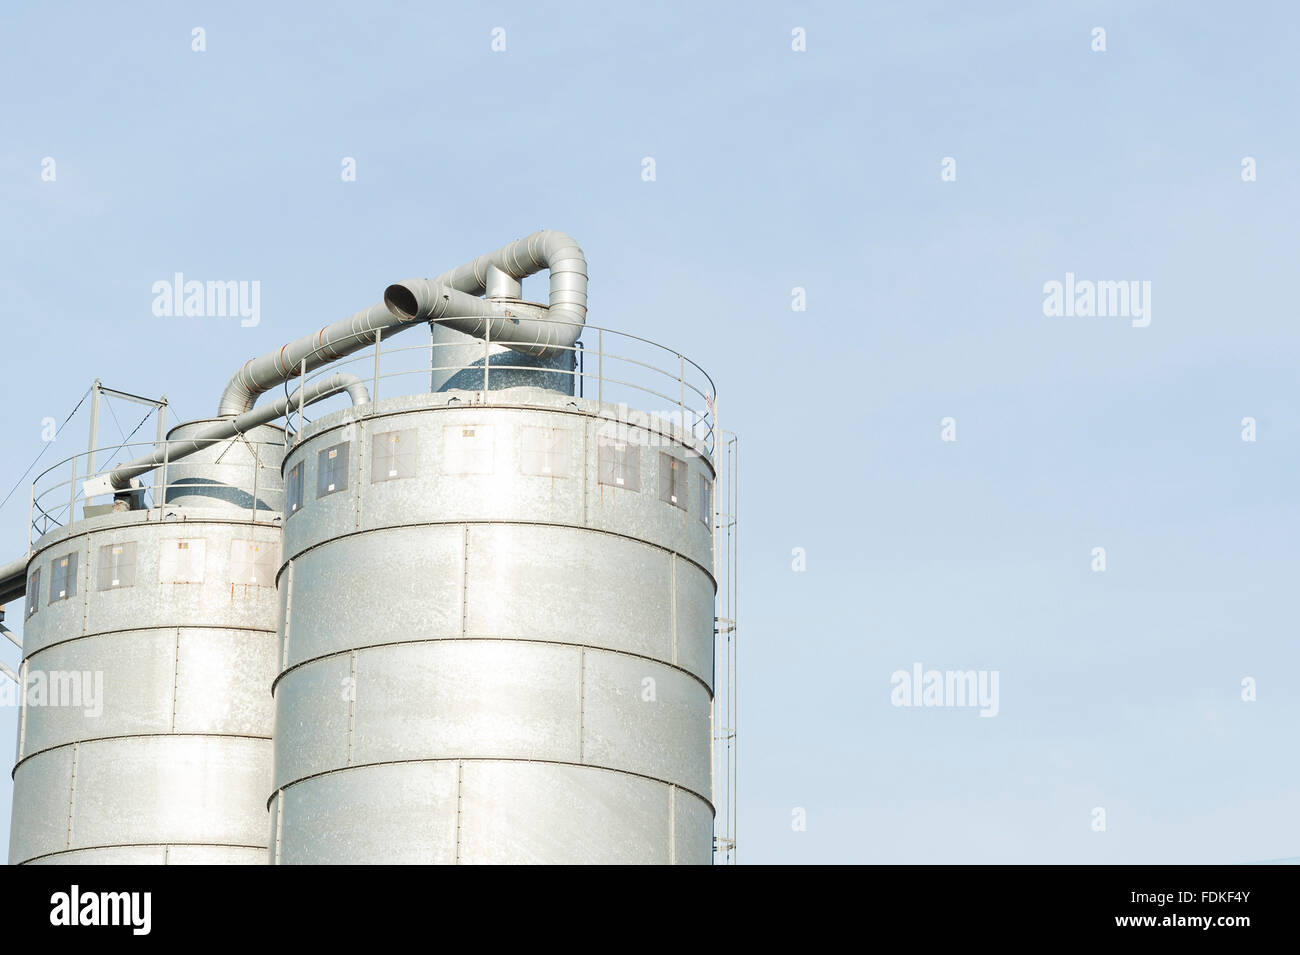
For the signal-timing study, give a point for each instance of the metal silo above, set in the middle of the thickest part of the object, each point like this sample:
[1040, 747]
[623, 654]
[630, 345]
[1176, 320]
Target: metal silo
[148, 647]
[498, 606]
[497, 639]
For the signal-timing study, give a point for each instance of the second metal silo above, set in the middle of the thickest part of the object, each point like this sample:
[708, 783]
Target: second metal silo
[149, 640]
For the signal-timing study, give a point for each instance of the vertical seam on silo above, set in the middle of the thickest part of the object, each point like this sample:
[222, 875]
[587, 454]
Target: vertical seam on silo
[288, 614]
[464, 584]
[352, 701]
[672, 824]
[673, 600]
[85, 589]
[72, 794]
[582, 701]
[460, 778]
[357, 494]
[23, 669]
[176, 674]
[585, 451]
[279, 824]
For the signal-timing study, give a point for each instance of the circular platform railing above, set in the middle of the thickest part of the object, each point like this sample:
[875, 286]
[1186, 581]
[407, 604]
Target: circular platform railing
[608, 366]
[669, 391]
[58, 498]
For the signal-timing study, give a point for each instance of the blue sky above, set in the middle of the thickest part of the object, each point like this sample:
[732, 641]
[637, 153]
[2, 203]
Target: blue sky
[775, 169]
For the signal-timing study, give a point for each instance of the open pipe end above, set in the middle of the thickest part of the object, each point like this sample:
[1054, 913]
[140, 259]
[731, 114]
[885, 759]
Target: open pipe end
[401, 301]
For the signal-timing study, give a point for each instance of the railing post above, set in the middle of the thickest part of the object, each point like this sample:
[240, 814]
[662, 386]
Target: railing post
[162, 436]
[487, 356]
[374, 388]
[302, 394]
[72, 492]
[162, 480]
[682, 404]
[600, 365]
[31, 516]
[94, 428]
[257, 471]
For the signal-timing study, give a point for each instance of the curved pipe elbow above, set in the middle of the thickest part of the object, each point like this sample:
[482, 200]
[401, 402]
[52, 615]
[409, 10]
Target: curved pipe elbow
[547, 249]
[514, 327]
[339, 381]
[358, 392]
[452, 299]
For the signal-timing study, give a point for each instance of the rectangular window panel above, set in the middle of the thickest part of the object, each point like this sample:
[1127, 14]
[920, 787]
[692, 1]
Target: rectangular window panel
[547, 451]
[252, 563]
[332, 470]
[467, 450]
[293, 491]
[63, 577]
[706, 500]
[182, 561]
[117, 566]
[672, 480]
[34, 592]
[620, 464]
[393, 456]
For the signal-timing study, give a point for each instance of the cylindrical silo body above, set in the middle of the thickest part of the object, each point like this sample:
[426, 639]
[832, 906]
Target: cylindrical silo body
[222, 475]
[496, 637]
[149, 648]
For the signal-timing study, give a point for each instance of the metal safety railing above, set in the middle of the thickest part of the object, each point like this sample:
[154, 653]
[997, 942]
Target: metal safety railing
[672, 393]
[605, 365]
[58, 491]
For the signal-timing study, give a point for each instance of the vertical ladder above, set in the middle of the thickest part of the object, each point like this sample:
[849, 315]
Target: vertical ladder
[725, 713]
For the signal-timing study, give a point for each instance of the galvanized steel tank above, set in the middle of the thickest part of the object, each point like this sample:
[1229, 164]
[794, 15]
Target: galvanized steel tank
[154, 631]
[497, 636]
[223, 475]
